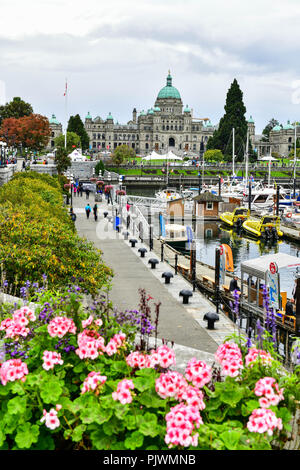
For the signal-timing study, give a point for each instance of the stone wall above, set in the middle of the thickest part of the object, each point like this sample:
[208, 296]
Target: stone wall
[49, 169]
[83, 170]
[6, 173]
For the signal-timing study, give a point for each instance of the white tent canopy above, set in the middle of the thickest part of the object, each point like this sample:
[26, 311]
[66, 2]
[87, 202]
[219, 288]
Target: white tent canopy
[155, 156]
[76, 155]
[259, 266]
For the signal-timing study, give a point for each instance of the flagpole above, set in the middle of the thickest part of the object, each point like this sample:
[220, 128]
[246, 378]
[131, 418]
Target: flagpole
[66, 111]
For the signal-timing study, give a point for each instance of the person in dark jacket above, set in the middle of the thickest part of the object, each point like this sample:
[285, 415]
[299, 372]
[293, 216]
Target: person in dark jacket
[95, 210]
[87, 211]
[289, 308]
[234, 284]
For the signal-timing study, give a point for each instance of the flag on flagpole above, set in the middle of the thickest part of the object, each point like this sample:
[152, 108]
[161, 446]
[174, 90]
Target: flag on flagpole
[66, 89]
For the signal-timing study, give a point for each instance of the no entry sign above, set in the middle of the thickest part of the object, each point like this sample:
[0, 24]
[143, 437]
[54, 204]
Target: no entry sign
[273, 268]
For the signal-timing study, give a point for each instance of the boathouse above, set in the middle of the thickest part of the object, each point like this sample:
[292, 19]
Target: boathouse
[207, 206]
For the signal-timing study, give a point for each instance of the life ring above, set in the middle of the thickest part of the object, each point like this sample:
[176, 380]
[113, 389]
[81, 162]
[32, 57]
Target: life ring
[289, 215]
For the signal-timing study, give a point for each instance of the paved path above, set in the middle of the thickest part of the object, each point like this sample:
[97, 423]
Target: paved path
[180, 323]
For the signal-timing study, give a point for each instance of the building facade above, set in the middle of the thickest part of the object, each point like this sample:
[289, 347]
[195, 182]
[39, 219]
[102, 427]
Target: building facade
[166, 126]
[56, 130]
[281, 139]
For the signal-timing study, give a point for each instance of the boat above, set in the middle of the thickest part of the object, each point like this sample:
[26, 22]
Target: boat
[177, 236]
[235, 218]
[168, 194]
[268, 227]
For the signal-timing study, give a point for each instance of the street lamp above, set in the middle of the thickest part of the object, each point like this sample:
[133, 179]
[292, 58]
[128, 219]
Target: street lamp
[3, 152]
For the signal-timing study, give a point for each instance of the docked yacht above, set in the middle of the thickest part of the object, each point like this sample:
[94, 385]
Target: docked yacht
[168, 194]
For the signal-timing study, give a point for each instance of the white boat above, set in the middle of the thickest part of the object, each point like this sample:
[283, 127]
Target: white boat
[168, 194]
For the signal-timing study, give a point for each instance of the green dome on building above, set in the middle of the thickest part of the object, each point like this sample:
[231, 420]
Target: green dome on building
[53, 120]
[109, 117]
[150, 111]
[187, 109]
[142, 113]
[169, 91]
[288, 126]
[156, 109]
[251, 120]
[276, 128]
[88, 116]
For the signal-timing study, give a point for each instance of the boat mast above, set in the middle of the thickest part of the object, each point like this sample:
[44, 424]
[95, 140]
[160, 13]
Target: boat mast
[233, 151]
[246, 157]
[295, 150]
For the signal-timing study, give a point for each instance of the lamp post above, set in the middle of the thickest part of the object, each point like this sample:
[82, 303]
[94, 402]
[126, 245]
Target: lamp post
[72, 182]
[3, 152]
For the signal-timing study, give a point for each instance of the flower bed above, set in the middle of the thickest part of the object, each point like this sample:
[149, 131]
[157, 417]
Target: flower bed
[72, 379]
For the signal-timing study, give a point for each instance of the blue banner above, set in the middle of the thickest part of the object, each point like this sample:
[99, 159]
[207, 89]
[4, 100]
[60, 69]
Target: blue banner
[162, 225]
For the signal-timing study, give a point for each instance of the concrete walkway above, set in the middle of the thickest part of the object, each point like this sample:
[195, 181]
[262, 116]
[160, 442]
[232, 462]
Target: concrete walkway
[180, 323]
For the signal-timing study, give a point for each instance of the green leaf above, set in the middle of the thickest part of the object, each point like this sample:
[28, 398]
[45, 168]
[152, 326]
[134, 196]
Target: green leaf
[150, 399]
[134, 441]
[77, 433]
[230, 393]
[113, 426]
[17, 405]
[100, 441]
[120, 366]
[249, 406]
[2, 437]
[231, 439]
[51, 389]
[95, 414]
[143, 383]
[148, 425]
[26, 435]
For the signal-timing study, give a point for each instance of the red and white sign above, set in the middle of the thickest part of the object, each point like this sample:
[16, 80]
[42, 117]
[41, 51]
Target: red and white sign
[273, 268]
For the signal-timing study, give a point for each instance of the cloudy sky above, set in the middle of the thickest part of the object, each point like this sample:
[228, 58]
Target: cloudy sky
[116, 55]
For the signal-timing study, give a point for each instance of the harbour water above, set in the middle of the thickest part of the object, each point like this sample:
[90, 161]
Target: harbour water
[209, 235]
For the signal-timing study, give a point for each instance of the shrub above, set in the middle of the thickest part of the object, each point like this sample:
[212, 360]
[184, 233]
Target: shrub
[37, 236]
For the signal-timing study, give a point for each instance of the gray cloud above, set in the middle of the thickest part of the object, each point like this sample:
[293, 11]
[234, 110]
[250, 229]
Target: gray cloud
[116, 56]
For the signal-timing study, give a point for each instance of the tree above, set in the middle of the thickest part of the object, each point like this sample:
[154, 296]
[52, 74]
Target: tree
[73, 141]
[16, 108]
[100, 166]
[234, 117]
[76, 125]
[122, 153]
[266, 132]
[31, 131]
[62, 160]
[214, 154]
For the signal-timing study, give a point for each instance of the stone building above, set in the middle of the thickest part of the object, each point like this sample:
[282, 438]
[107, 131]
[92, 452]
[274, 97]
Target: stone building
[281, 139]
[166, 126]
[56, 130]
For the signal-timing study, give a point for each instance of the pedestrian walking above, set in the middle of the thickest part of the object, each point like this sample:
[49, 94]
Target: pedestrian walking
[87, 193]
[72, 215]
[95, 210]
[87, 211]
[75, 190]
[23, 165]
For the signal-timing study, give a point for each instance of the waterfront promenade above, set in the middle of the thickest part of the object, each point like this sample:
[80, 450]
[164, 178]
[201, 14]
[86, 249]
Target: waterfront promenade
[180, 323]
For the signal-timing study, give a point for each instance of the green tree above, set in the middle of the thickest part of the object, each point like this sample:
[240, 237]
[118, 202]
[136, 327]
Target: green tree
[122, 153]
[214, 155]
[16, 108]
[100, 166]
[73, 141]
[62, 160]
[76, 125]
[266, 132]
[234, 117]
